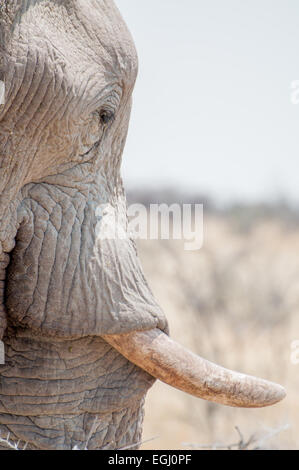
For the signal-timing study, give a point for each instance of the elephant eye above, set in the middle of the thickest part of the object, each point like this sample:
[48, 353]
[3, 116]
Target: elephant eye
[106, 116]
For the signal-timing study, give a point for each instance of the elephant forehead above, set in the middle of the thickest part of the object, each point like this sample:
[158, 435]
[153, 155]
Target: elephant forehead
[83, 44]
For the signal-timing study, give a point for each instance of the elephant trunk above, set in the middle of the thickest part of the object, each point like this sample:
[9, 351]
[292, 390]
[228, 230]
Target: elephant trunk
[157, 354]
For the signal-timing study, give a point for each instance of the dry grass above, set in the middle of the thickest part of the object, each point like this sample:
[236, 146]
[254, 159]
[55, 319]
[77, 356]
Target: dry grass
[236, 302]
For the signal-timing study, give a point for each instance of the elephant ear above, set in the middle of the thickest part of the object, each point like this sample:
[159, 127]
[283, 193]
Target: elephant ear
[66, 278]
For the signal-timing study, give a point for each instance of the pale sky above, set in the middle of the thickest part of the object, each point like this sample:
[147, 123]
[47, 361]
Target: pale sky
[212, 109]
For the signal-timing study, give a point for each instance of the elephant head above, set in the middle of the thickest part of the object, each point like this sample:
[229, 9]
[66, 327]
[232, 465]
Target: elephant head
[84, 337]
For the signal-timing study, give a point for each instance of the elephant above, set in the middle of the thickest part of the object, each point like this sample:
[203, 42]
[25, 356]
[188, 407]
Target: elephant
[84, 337]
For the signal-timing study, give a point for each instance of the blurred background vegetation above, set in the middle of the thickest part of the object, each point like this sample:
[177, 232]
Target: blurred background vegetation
[235, 302]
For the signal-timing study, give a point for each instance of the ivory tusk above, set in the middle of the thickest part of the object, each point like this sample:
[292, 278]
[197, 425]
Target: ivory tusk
[166, 360]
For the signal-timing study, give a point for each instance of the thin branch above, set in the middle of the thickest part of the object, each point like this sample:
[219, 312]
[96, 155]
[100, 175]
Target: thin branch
[138, 443]
[272, 433]
[242, 444]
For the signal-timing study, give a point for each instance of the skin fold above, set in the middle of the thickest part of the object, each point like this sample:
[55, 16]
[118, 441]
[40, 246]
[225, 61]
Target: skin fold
[69, 69]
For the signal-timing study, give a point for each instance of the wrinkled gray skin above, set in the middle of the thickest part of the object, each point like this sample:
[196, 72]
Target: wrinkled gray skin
[69, 67]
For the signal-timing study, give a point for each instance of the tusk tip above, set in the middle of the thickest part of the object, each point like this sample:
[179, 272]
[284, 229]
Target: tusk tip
[264, 394]
[257, 393]
[278, 393]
